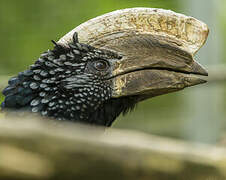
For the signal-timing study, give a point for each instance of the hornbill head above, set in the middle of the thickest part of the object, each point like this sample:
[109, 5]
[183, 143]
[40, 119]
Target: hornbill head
[108, 64]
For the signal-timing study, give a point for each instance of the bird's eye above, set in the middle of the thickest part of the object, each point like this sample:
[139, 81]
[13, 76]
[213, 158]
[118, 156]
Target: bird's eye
[101, 65]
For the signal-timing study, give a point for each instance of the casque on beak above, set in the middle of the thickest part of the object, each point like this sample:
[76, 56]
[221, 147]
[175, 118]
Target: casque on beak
[157, 48]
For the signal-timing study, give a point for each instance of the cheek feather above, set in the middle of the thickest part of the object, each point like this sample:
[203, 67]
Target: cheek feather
[62, 84]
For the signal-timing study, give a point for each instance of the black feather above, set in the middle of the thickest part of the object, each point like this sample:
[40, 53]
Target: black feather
[63, 84]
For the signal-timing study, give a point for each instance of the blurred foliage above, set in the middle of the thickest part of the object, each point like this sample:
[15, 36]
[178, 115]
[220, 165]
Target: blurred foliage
[222, 15]
[27, 26]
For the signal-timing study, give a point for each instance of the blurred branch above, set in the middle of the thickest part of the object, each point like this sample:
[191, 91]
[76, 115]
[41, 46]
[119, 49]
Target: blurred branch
[40, 150]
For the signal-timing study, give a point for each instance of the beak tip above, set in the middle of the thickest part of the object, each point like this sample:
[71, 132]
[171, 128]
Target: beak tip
[194, 80]
[202, 81]
[204, 72]
[198, 69]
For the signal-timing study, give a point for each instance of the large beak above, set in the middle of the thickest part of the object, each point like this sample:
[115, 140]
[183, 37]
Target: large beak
[153, 67]
[157, 49]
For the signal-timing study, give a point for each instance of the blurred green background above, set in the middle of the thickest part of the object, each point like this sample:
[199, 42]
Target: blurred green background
[196, 114]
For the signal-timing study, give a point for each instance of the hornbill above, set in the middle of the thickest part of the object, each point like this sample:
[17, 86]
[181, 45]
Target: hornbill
[108, 64]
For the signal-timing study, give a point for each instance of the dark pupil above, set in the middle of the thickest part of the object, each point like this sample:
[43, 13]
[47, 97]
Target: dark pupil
[100, 65]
